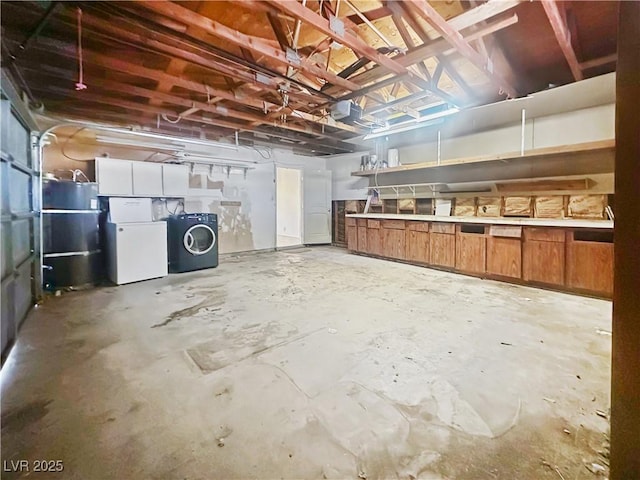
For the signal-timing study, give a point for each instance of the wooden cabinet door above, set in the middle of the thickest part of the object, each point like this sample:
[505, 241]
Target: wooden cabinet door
[362, 239]
[590, 266]
[417, 246]
[393, 243]
[543, 262]
[504, 256]
[471, 251]
[352, 238]
[442, 247]
[374, 242]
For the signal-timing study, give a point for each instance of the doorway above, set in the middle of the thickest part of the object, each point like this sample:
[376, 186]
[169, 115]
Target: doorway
[288, 207]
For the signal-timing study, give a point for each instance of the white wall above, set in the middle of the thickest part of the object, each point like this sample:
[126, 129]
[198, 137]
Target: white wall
[343, 185]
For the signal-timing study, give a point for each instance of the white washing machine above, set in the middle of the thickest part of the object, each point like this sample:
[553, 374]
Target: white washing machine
[136, 245]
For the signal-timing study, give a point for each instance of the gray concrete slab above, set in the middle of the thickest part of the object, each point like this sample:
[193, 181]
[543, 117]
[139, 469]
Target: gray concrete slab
[310, 363]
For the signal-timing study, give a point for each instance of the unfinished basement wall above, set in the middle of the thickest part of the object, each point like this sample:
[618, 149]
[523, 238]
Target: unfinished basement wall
[245, 205]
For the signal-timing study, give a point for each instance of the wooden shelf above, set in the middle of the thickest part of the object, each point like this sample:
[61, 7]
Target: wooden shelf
[563, 151]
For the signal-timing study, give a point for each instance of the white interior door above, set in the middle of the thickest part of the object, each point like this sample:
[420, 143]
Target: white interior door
[316, 209]
[289, 207]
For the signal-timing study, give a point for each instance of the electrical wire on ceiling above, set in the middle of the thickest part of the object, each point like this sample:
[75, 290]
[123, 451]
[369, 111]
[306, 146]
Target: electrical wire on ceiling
[167, 119]
[64, 145]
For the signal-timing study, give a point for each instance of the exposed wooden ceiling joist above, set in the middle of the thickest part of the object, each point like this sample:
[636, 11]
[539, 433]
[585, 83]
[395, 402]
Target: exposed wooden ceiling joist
[439, 46]
[303, 13]
[258, 45]
[557, 18]
[453, 36]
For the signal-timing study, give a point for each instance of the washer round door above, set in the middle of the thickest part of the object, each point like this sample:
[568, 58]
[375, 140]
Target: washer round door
[199, 239]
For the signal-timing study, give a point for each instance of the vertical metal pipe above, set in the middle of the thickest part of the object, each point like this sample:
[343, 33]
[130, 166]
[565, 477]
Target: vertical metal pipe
[438, 147]
[524, 119]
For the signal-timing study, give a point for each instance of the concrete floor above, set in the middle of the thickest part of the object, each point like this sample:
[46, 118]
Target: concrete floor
[311, 363]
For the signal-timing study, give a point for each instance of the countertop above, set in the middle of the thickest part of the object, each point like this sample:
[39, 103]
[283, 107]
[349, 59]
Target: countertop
[531, 222]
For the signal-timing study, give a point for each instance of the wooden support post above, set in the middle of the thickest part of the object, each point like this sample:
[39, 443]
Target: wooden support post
[625, 368]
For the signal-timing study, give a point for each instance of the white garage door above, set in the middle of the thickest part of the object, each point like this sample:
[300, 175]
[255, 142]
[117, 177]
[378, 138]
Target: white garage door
[19, 224]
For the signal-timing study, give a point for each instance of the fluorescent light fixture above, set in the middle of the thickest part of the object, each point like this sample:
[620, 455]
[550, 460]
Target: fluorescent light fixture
[168, 138]
[140, 144]
[421, 122]
[433, 116]
[411, 126]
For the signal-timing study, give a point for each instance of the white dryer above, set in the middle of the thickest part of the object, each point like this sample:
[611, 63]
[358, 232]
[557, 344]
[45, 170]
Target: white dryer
[136, 245]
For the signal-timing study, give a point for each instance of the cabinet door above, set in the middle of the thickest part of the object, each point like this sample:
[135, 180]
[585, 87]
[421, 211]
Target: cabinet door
[590, 266]
[114, 177]
[352, 237]
[147, 179]
[471, 248]
[362, 239]
[504, 256]
[543, 262]
[175, 180]
[393, 243]
[417, 246]
[442, 248]
[374, 242]
[471, 252]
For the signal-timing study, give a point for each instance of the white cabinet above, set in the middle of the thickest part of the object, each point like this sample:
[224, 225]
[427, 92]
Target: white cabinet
[147, 179]
[127, 178]
[175, 180]
[114, 177]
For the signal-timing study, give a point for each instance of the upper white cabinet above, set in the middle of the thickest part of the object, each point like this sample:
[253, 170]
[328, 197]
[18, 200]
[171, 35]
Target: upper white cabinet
[147, 179]
[114, 177]
[175, 180]
[126, 178]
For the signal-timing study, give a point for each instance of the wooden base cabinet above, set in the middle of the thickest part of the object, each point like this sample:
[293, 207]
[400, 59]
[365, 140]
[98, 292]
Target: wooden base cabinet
[417, 242]
[471, 248]
[352, 234]
[543, 256]
[362, 235]
[374, 237]
[442, 245]
[590, 261]
[571, 259]
[504, 251]
[393, 239]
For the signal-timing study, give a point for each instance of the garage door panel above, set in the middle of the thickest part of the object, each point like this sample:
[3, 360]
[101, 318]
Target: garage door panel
[20, 193]
[21, 237]
[7, 314]
[4, 188]
[18, 142]
[6, 259]
[23, 296]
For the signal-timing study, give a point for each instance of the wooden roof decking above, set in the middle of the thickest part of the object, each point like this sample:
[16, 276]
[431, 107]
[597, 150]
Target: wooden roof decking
[271, 70]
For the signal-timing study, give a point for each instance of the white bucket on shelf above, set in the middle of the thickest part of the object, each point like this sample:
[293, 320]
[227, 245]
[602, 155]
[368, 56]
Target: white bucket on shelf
[393, 160]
